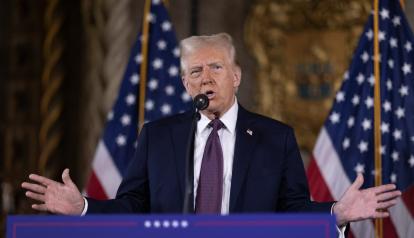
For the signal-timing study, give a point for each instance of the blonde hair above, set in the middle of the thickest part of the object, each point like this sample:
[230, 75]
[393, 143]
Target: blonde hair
[190, 44]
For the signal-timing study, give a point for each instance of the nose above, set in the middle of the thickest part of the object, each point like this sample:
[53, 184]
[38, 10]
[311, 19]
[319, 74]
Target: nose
[206, 77]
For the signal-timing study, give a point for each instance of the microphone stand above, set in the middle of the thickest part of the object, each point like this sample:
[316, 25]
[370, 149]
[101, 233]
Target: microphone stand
[188, 206]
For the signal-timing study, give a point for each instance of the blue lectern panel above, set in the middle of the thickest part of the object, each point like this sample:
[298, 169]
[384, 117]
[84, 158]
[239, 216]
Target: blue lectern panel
[170, 226]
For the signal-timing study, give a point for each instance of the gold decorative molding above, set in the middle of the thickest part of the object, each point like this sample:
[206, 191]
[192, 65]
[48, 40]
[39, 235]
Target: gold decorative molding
[51, 104]
[303, 48]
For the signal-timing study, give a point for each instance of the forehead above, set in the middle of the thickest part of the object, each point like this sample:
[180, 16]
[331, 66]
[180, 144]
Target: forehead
[206, 55]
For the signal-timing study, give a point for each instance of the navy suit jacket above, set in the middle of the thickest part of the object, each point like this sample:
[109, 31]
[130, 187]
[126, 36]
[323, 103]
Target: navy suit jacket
[268, 173]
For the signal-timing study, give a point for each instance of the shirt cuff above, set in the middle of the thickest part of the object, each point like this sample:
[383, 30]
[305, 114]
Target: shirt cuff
[341, 230]
[85, 207]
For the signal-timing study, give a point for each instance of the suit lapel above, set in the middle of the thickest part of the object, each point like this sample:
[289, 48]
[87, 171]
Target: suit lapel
[179, 138]
[246, 140]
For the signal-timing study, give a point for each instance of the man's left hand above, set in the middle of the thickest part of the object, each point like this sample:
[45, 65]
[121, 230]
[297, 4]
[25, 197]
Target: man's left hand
[359, 204]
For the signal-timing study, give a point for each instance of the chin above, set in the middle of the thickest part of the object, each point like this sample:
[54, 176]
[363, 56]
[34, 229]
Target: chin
[211, 110]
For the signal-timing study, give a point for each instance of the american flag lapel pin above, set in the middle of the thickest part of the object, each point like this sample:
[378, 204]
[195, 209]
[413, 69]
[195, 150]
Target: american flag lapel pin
[250, 132]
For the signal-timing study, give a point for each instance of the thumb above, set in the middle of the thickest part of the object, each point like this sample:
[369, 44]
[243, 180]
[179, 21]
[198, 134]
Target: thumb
[358, 181]
[66, 178]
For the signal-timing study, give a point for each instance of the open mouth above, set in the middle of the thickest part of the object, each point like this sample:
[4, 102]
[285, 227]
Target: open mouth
[210, 94]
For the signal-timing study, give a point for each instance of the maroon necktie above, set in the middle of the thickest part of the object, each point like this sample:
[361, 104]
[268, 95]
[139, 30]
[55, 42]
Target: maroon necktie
[210, 183]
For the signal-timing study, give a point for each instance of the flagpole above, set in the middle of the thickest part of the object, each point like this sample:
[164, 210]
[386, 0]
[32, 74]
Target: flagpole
[377, 113]
[402, 3]
[144, 64]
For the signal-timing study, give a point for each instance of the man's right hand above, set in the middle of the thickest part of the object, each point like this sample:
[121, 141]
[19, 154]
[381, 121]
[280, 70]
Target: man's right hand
[55, 197]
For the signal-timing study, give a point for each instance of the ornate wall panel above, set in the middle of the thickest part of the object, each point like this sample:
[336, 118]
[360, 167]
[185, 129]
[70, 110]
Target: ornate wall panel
[111, 27]
[303, 48]
[21, 48]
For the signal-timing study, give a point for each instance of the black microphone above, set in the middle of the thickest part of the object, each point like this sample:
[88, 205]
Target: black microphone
[200, 102]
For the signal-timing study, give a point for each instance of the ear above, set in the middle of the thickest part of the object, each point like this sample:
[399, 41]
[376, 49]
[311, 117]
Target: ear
[185, 83]
[236, 76]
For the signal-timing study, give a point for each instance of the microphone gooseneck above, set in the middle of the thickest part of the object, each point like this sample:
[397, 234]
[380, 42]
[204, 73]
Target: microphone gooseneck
[200, 102]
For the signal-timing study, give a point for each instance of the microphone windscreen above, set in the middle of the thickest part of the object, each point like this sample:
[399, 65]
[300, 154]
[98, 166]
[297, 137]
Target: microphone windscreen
[201, 102]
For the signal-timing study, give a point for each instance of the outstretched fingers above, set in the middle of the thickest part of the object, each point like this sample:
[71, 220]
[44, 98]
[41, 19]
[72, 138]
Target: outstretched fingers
[359, 180]
[381, 214]
[53, 196]
[42, 180]
[66, 178]
[35, 196]
[40, 207]
[387, 204]
[384, 188]
[34, 187]
[388, 195]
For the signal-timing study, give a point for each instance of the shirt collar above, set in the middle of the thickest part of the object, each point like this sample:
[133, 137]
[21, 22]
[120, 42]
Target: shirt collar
[229, 119]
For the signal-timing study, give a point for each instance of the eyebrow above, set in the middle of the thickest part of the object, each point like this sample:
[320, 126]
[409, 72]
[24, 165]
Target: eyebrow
[215, 63]
[195, 67]
[209, 64]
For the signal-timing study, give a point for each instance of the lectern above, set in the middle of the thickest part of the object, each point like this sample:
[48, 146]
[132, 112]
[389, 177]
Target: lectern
[171, 226]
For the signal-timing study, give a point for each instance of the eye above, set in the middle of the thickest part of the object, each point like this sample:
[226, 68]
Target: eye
[195, 73]
[217, 66]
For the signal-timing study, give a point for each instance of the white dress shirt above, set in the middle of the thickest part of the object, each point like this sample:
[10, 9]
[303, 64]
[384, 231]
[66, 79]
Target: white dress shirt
[227, 136]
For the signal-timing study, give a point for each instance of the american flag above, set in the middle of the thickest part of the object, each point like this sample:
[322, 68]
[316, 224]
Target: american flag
[345, 145]
[165, 95]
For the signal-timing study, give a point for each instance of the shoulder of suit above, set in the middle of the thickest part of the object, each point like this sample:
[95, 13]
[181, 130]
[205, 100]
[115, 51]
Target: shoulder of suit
[170, 120]
[265, 122]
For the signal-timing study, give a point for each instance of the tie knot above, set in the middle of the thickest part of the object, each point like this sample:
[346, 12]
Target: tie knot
[216, 124]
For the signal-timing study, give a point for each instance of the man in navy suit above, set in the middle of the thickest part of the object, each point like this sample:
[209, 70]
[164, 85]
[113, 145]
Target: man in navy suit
[257, 158]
